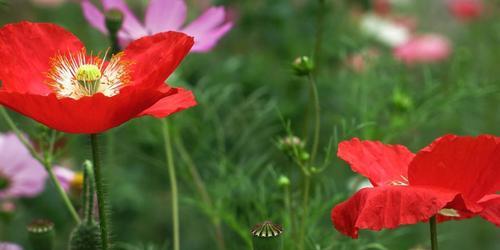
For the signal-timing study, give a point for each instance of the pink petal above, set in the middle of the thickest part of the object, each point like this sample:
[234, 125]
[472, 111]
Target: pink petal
[165, 15]
[94, 16]
[424, 49]
[131, 25]
[208, 28]
[9, 246]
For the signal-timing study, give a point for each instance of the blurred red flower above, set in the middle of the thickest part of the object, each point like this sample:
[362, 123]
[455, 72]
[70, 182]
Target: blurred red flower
[466, 10]
[47, 75]
[454, 178]
[423, 49]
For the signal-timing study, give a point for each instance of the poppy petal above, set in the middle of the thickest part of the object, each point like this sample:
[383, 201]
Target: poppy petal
[381, 163]
[156, 57]
[469, 165]
[179, 100]
[25, 52]
[491, 212]
[87, 115]
[388, 207]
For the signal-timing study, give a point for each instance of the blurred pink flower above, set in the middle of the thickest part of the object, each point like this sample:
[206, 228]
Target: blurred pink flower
[20, 174]
[7, 207]
[466, 10]
[424, 49]
[9, 246]
[48, 3]
[360, 61]
[163, 15]
[68, 178]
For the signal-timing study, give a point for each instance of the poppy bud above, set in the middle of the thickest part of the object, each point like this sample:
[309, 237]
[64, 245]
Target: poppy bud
[41, 234]
[401, 101]
[303, 66]
[283, 181]
[114, 20]
[266, 236]
[87, 236]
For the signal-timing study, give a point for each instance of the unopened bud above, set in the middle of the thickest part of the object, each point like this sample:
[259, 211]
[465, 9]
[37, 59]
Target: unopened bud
[283, 181]
[303, 66]
[401, 101]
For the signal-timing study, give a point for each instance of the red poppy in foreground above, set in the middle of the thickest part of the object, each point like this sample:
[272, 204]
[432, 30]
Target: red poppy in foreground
[454, 178]
[48, 76]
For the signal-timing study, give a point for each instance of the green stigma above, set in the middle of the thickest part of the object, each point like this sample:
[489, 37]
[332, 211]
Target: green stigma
[88, 73]
[4, 182]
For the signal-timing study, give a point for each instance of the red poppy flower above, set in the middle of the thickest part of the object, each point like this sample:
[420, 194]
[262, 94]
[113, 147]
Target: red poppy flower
[454, 177]
[48, 76]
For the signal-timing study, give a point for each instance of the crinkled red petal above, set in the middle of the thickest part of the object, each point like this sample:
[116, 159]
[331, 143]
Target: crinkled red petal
[25, 52]
[381, 163]
[491, 211]
[469, 165]
[87, 115]
[388, 207]
[178, 100]
[155, 57]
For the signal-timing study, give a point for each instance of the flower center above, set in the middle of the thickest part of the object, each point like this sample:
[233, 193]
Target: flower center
[77, 75]
[4, 182]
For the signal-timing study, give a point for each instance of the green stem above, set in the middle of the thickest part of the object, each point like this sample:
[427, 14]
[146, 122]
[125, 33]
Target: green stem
[46, 163]
[173, 182]
[317, 117]
[202, 191]
[433, 230]
[305, 211]
[101, 192]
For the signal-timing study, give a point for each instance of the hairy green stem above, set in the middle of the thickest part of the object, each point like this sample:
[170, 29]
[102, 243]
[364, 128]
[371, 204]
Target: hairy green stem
[433, 231]
[101, 192]
[202, 191]
[46, 163]
[305, 211]
[173, 182]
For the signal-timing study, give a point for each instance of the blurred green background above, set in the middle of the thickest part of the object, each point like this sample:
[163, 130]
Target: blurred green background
[244, 87]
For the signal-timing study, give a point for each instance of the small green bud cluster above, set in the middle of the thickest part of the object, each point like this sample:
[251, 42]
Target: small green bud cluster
[303, 66]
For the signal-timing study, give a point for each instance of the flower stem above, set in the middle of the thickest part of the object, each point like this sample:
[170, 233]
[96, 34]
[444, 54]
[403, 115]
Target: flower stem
[101, 192]
[173, 182]
[202, 191]
[433, 230]
[46, 163]
[305, 211]
[317, 117]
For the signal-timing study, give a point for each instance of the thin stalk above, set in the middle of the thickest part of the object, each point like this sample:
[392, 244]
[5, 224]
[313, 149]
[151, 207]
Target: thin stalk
[202, 191]
[317, 117]
[173, 182]
[433, 231]
[305, 211]
[101, 192]
[46, 163]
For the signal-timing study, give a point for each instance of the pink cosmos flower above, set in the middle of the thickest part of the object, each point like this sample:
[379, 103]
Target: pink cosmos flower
[466, 10]
[9, 246]
[163, 15]
[65, 176]
[20, 174]
[423, 49]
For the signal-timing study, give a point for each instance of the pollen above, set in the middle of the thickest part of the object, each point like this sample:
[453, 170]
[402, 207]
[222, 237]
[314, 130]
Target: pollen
[77, 75]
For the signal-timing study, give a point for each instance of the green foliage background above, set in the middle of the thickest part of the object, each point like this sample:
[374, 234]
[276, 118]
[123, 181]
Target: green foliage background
[243, 87]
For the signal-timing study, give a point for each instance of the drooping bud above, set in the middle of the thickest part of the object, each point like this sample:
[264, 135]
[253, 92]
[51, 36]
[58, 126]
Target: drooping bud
[41, 234]
[267, 236]
[303, 66]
